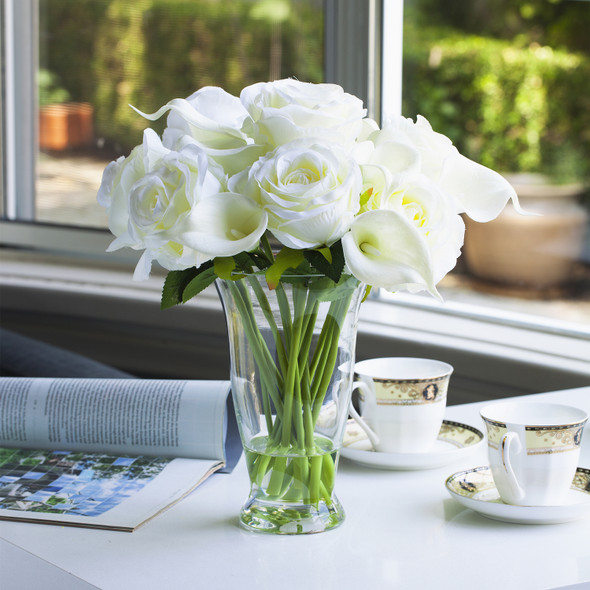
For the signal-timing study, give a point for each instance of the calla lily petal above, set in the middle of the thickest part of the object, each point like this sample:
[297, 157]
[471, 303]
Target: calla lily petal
[225, 225]
[481, 192]
[384, 250]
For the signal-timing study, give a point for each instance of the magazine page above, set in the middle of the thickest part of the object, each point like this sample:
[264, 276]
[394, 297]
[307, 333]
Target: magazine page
[105, 453]
[167, 418]
[94, 490]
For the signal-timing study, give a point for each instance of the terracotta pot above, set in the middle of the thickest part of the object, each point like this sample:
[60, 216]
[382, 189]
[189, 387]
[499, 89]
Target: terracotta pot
[65, 126]
[538, 250]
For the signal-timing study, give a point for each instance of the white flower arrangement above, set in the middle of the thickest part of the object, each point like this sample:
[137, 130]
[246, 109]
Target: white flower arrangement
[300, 163]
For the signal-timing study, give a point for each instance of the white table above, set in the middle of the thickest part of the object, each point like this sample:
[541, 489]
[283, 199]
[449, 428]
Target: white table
[403, 530]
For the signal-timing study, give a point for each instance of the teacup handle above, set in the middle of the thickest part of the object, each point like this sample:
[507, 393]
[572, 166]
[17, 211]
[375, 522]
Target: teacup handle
[370, 434]
[508, 440]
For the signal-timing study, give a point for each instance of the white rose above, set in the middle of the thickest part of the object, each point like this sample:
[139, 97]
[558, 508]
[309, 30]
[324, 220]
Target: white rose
[432, 213]
[119, 177]
[285, 110]
[310, 191]
[151, 195]
[477, 191]
[389, 165]
[213, 119]
[392, 180]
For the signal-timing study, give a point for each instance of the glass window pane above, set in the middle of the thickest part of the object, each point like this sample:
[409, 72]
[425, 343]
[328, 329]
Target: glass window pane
[99, 56]
[508, 81]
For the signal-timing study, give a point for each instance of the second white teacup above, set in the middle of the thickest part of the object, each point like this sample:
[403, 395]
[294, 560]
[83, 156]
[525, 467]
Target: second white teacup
[533, 448]
[402, 402]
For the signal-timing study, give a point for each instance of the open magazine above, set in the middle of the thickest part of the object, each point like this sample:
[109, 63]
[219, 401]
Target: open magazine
[109, 453]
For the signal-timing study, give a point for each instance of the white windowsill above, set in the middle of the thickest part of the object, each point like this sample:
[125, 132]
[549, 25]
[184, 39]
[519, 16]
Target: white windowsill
[435, 327]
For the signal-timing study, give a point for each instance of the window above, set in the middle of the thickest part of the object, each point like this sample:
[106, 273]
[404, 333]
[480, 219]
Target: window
[508, 82]
[74, 65]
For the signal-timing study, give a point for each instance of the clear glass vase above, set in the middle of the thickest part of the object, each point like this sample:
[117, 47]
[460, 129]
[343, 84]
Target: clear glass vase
[292, 354]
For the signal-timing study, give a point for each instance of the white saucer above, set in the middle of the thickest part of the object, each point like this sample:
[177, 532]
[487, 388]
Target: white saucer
[475, 489]
[455, 440]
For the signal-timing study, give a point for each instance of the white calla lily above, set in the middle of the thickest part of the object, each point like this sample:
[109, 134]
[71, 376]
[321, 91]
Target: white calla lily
[225, 224]
[213, 118]
[481, 192]
[385, 250]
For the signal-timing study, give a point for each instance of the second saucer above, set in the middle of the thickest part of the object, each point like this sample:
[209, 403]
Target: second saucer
[455, 441]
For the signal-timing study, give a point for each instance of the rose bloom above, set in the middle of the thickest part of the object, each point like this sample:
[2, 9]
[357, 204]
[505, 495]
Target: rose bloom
[309, 189]
[393, 180]
[149, 196]
[478, 191]
[432, 213]
[284, 110]
[415, 185]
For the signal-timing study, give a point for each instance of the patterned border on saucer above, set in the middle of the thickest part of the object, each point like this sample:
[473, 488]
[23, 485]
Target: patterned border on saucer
[582, 480]
[458, 434]
[475, 489]
[471, 482]
[455, 433]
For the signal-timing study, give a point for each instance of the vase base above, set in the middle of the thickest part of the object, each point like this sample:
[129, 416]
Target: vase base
[290, 519]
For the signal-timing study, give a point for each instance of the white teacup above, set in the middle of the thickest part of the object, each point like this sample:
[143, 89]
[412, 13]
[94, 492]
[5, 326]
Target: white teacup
[533, 449]
[402, 402]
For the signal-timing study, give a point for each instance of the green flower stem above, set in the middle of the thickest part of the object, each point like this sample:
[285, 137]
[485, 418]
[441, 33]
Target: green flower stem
[267, 311]
[328, 472]
[292, 371]
[260, 467]
[267, 247]
[308, 423]
[293, 467]
[261, 353]
[284, 310]
[315, 478]
[331, 346]
[275, 485]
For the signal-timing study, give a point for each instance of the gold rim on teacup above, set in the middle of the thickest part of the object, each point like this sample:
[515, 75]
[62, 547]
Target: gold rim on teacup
[430, 386]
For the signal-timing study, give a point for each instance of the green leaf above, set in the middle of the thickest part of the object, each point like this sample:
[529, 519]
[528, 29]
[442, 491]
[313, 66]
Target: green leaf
[199, 283]
[249, 262]
[259, 260]
[182, 285]
[224, 266]
[329, 262]
[174, 285]
[286, 258]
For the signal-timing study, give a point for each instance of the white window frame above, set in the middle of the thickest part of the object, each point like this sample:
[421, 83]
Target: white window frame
[489, 332]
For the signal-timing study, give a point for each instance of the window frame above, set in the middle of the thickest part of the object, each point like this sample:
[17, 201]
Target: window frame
[543, 342]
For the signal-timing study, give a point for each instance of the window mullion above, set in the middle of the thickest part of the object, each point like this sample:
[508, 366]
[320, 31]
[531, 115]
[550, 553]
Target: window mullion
[20, 107]
[353, 49]
[392, 58]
